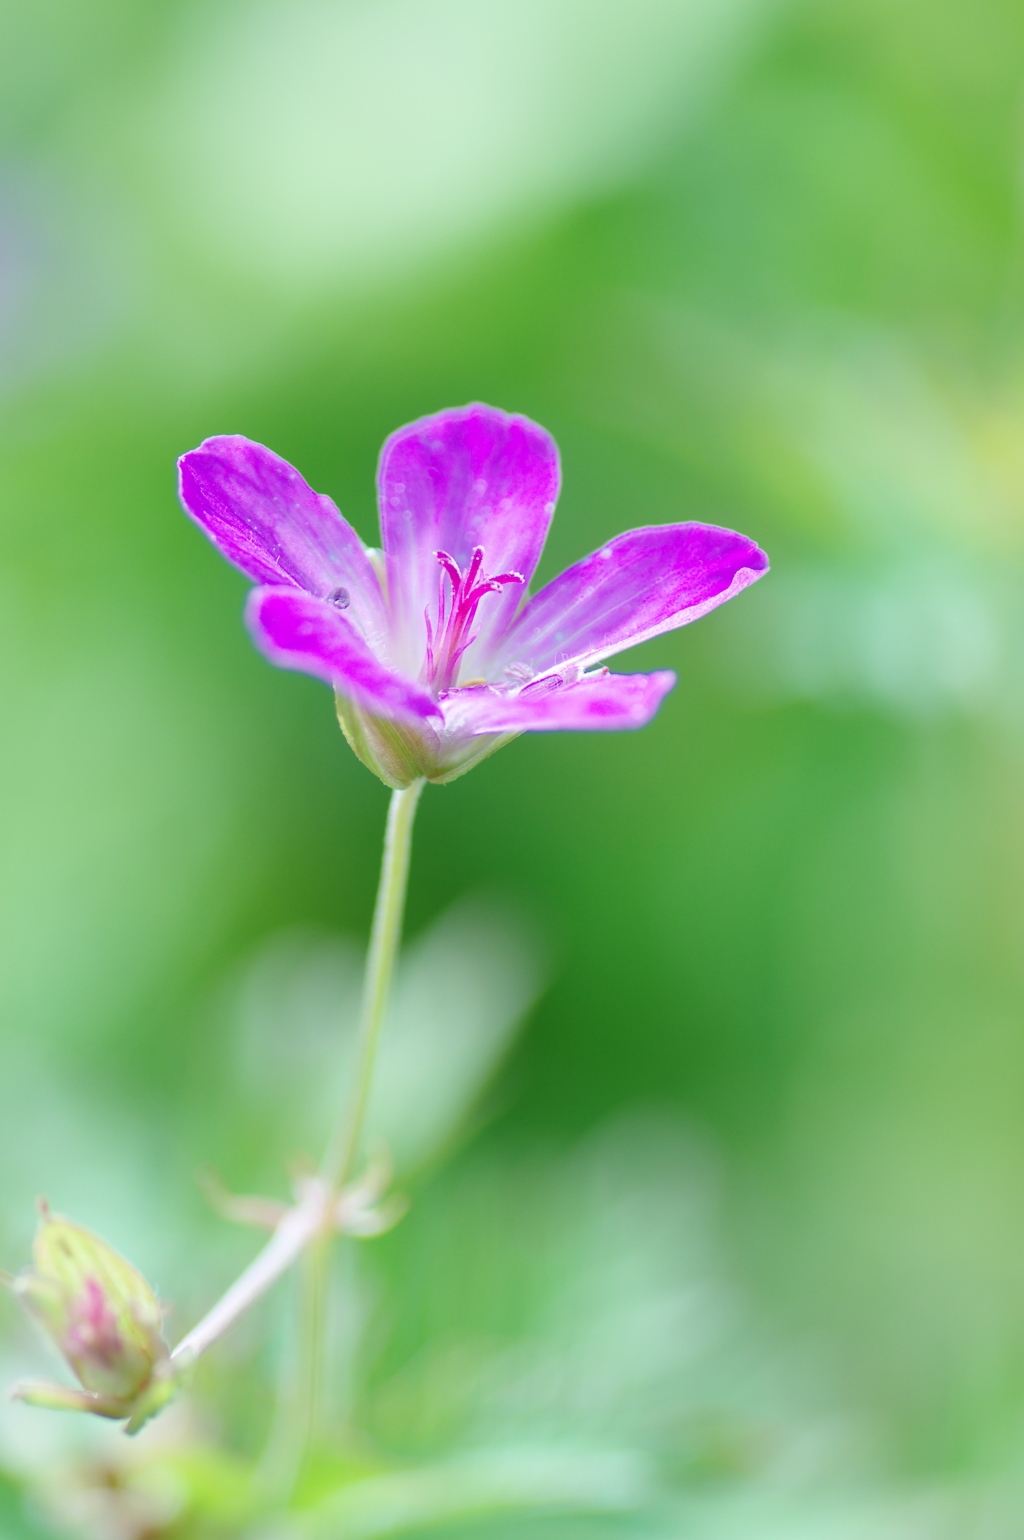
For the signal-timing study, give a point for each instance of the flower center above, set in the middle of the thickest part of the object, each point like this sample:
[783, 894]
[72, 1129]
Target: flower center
[457, 602]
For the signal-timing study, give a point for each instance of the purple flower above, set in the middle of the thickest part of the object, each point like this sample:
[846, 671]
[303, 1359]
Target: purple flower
[436, 655]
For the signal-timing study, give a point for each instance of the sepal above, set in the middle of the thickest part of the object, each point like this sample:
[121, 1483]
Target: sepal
[399, 753]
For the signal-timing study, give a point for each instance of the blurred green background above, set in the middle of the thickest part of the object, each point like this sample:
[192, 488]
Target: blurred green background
[757, 262]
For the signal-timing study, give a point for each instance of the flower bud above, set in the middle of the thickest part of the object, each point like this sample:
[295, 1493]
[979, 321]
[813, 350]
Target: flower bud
[102, 1316]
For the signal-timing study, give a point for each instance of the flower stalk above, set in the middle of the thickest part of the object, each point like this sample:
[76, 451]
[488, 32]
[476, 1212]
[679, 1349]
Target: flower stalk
[343, 1147]
[324, 1208]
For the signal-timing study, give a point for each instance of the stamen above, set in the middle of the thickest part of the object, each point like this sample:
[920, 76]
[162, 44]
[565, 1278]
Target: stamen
[464, 647]
[543, 686]
[430, 641]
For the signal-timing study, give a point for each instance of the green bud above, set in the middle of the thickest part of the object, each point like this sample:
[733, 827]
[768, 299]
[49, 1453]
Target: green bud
[102, 1316]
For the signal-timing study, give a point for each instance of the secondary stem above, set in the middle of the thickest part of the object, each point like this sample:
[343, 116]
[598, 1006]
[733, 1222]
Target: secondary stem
[289, 1240]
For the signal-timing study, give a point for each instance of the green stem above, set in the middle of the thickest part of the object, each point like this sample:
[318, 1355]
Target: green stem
[314, 1282]
[344, 1143]
[343, 1147]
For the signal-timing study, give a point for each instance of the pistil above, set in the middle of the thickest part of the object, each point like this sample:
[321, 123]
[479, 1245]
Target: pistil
[448, 637]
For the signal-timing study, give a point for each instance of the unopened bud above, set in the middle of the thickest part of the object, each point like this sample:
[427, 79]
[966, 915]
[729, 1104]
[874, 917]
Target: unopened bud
[102, 1316]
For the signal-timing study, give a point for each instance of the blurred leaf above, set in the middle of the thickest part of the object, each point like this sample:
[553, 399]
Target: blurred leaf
[461, 990]
[272, 130]
[460, 994]
[485, 1484]
[15, 1520]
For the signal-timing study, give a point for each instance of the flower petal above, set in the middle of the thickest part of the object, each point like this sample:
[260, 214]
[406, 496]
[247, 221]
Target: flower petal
[469, 477]
[260, 514]
[604, 702]
[640, 584]
[295, 630]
